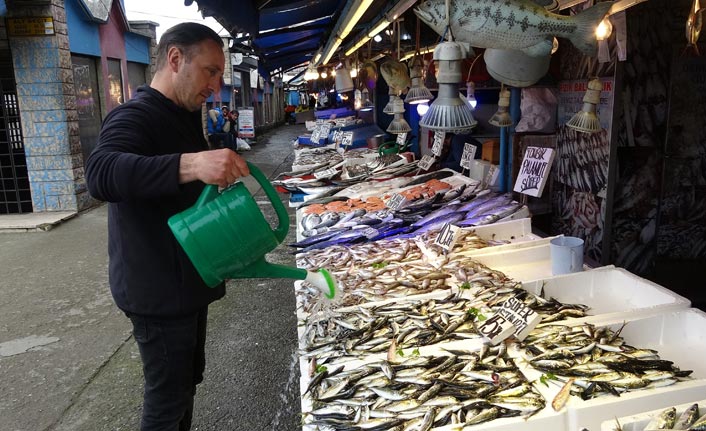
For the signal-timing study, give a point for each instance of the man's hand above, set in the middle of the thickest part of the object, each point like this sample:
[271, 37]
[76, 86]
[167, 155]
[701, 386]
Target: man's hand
[221, 167]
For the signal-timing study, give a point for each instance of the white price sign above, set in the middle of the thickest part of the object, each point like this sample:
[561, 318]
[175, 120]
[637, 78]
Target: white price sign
[370, 232]
[328, 173]
[492, 175]
[347, 139]
[469, 153]
[401, 138]
[447, 236]
[315, 135]
[395, 202]
[426, 162]
[523, 318]
[496, 329]
[337, 136]
[438, 143]
[534, 171]
[325, 129]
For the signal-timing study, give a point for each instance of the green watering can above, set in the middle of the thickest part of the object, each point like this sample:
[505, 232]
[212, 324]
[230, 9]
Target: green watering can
[226, 236]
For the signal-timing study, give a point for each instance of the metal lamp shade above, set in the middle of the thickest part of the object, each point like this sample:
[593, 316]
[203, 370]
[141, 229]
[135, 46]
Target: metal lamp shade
[449, 112]
[418, 92]
[366, 104]
[586, 120]
[502, 117]
[399, 125]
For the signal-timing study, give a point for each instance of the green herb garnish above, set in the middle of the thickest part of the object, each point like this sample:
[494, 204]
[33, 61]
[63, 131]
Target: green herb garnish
[476, 314]
[465, 285]
[321, 369]
[544, 378]
[380, 265]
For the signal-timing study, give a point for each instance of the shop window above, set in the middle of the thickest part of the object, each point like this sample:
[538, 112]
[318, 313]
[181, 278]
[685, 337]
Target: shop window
[87, 101]
[115, 84]
[136, 76]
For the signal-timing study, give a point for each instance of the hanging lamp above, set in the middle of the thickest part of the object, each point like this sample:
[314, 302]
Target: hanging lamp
[398, 124]
[418, 92]
[390, 107]
[502, 117]
[586, 120]
[344, 82]
[366, 104]
[449, 112]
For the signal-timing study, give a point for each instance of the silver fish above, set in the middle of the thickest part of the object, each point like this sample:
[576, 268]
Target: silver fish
[665, 420]
[687, 418]
[699, 425]
[513, 24]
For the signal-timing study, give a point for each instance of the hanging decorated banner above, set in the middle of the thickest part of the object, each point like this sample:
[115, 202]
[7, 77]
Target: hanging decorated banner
[426, 162]
[438, 143]
[447, 236]
[534, 171]
[469, 153]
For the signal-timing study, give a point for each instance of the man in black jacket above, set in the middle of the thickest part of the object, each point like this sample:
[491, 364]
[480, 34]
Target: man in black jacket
[151, 162]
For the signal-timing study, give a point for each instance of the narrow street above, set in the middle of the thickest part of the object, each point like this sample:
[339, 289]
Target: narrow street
[67, 357]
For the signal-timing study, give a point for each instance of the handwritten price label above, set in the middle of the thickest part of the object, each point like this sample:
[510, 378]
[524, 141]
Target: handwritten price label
[438, 143]
[395, 202]
[447, 236]
[337, 136]
[469, 153]
[401, 138]
[328, 173]
[347, 139]
[316, 135]
[370, 232]
[426, 162]
[492, 175]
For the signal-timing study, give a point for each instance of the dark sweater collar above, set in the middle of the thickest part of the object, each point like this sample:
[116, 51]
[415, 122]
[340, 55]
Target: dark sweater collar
[147, 92]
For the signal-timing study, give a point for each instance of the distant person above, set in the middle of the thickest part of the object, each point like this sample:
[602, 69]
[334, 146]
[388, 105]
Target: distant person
[312, 102]
[218, 129]
[150, 163]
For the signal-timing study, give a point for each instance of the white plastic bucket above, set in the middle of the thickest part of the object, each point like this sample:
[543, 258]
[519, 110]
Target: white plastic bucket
[566, 254]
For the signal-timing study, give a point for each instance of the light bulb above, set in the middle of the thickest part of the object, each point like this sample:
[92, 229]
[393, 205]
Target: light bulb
[604, 29]
[354, 73]
[422, 109]
[377, 38]
[324, 75]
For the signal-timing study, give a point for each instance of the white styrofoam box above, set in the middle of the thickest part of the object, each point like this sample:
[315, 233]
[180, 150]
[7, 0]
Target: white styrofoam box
[610, 293]
[514, 231]
[678, 336]
[639, 421]
[525, 262]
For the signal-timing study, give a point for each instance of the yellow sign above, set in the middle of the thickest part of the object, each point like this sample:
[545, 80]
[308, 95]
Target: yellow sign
[37, 26]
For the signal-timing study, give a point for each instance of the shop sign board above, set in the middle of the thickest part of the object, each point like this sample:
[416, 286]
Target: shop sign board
[246, 122]
[534, 171]
[30, 26]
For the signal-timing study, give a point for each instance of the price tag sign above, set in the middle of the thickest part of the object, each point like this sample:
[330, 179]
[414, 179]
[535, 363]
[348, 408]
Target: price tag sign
[496, 329]
[328, 173]
[426, 162]
[325, 129]
[337, 136]
[447, 236]
[315, 135]
[469, 153]
[347, 139]
[438, 143]
[523, 318]
[492, 176]
[401, 138]
[534, 171]
[370, 232]
[395, 202]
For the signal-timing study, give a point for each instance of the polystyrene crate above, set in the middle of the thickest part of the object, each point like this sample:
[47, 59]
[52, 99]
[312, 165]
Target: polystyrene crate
[639, 421]
[610, 293]
[513, 231]
[678, 336]
[523, 262]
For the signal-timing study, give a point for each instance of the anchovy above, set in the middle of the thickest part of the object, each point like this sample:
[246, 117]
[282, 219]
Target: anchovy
[664, 420]
[687, 418]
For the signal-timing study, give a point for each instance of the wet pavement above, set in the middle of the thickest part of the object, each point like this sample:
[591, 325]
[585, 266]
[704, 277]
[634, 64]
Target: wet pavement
[67, 357]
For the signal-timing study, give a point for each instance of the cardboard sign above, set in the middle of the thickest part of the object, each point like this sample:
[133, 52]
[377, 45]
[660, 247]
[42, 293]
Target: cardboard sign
[492, 176]
[534, 171]
[395, 202]
[426, 162]
[401, 138]
[469, 153]
[523, 318]
[447, 236]
[438, 143]
[370, 232]
[328, 173]
[496, 329]
[347, 139]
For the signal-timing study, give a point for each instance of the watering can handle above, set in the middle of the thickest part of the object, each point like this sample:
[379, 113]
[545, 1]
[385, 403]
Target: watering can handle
[210, 192]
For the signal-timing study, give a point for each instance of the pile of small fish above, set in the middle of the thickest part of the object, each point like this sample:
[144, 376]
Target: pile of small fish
[690, 420]
[421, 392]
[316, 156]
[597, 360]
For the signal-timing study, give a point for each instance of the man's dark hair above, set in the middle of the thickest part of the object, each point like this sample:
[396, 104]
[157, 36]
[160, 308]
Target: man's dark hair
[184, 36]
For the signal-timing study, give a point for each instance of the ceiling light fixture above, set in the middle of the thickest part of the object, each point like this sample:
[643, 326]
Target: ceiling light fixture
[449, 112]
[418, 93]
[586, 120]
[502, 117]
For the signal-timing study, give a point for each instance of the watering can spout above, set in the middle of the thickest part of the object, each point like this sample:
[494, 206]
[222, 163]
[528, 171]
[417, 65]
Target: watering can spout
[321, 279]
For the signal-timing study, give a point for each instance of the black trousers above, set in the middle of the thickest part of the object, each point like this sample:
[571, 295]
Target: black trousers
[173, 362]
